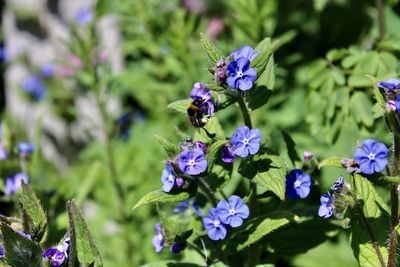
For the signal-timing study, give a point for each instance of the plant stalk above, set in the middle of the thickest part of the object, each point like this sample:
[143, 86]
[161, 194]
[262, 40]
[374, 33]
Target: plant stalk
[381, 18]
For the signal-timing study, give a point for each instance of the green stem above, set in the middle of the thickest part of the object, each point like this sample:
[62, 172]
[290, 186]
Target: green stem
[245, 112]
[198, 250]
[207, 189]
[381, 18]
[394, 201]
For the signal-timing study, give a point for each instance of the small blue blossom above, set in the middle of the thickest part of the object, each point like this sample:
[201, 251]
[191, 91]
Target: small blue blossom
[298, 184]
[326, 209]
[25, 148]
[48, 70]
[240, 75]
[228, 154]
[159, 239]
[2, 250]
[3, 152]
[233, 211]
[192, 161]
[246, 52]
[337, 186]
[371, 156]
[216, 230]
[13, 184]
[84, 16]
[391, 84]
[182, 206]
[246, 141]
[168, 178]
[55, 256]
[3, 54]
[175, 248]
[27, 236]
[35, 87]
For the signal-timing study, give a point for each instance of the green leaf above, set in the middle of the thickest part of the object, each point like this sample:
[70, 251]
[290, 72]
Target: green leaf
[291, 148]
[86, 248]
[180, 105]
[171, 149]
[267, 171]
[213, 127]
[265, 49]
[212, 152]
[259, 227]
[212, 52]
[159, 196]
[361, 108]
[37, 217]
[20, 251]
[376, 215]
[331, 162]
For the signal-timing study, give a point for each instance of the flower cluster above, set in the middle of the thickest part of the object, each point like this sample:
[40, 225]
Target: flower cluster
[240, 75]
[25, 149]
[227, 214]
[336, 200]
[57, 255]
[371, 156]
[298, 184]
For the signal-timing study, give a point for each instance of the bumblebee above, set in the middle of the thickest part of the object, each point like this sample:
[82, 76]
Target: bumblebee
[196, 114]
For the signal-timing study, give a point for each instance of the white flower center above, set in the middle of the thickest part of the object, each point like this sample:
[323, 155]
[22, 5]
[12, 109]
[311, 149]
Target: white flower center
[240, 74]
[170, 177]
[217, 223]
[297, 183]
[245, 141]
[191, 162]
[232, 211]
[371, 156]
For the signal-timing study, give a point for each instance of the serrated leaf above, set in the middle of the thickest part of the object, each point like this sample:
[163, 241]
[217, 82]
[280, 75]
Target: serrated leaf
[180, 105]
[265, 49]
[171, 149]
[212, 52]
[37, 217]
[159, 196]
[377, 215]
[258, 228]
[331, 162]
[86, 248]
[267, 171]
[20, 251]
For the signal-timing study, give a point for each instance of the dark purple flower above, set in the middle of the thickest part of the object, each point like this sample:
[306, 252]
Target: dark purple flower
[25, 148]
[158, 239]
[228, 154]
[175, 248]
[326, 209]
[192, 161]
[337, 186]
[179, 181]
[246, 141]
[391, 84]
[371, 156]
[246, 52]
[84, 16]
[35, 87]
[240, 75]
[233, 211]
[298, 184]
[213, 224]
[2, 251]
[168, 178]
[200, 145]
[351, 165]
[55, 256]
[3, 54]
[13, 184]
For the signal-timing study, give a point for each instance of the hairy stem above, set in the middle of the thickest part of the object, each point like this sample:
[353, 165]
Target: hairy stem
[394, 201]
[245, 112]
[381, 18]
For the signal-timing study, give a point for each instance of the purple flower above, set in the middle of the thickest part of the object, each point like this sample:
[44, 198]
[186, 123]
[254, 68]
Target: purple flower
[168, 178]
[158, 239]
[228, 154]
[307, 155]
[48, 69]
[212, 223]
[192, 161]
[351, 165]
[3, 152]
[371, 156]
[246, 52]
[337, 186]
[200, 92]
[35, 87]
[175, 248]
[326, 209]
[392, 105]
[391, 84]
[220, 72]
[179, 181]
[55, 256]
[25, 148]
[2, 251]
[246, 141]
[233, 211]
[27, 236]
[298, 184]
[182, 206]
[84, 16]
[240, 75]
[3, 54]
[200, 145]
[13, 184]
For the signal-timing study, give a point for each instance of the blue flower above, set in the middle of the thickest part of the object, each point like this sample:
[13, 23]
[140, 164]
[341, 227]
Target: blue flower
[175, 248]
[3, 54]
[371, 156]
[159, 239]
[233, 211]
[168, 178]
[200, 92]
[216, 230]
[48, 69]
[84, 16]
[337, 186]
[200, 145]
[298, 184]
[3, 152]
[2, 251]
[246, 52]
[55, 256]
[25, 148]
[35, 87]
[22, 233]
[192, 161]
[184, 205]
[326, 209]
[228, 154]
[246, 141]
[240, 75]
[13, 184]
[391, 84]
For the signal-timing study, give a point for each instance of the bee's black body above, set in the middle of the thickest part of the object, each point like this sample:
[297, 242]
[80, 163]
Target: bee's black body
[196, 114]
